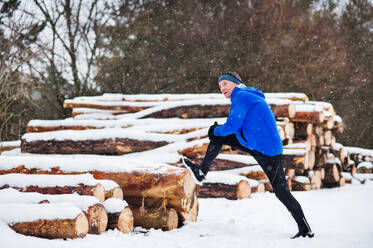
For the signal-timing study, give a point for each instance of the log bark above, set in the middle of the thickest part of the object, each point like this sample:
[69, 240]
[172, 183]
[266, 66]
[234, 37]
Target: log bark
[45, 227]
[220, 164]
[332, 174]
[219, 190]
[303, 129]
[316, 117]
[104, 146]
[96, 191]
[295, 161]
[165, 219]
[298, 185]
[123, 220]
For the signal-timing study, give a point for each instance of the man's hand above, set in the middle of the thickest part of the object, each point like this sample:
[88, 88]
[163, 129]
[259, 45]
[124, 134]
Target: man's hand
[211, 130]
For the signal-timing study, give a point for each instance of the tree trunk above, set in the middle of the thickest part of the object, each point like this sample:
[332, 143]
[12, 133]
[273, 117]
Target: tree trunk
[96, 191]
[97, 219]
[219, 190]
[122, 220]
[105, 146]
[165, 219]
[45, 227]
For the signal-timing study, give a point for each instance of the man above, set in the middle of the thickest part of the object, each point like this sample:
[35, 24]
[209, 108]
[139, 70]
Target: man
[251, 128]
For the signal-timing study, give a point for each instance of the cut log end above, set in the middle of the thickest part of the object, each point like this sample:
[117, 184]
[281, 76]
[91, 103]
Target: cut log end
[97, 219]
[99, 192]
[114, 193]
[126, 221]
[243, 190]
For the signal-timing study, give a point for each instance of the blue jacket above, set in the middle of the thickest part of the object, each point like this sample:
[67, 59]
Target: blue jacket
[253, 122]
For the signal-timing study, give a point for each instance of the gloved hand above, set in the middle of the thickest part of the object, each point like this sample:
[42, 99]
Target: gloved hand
[211, 131]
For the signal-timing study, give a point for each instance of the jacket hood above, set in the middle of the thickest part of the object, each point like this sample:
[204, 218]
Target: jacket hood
[253, 90]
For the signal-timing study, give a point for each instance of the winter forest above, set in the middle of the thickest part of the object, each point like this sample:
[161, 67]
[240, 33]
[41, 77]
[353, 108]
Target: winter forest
[57, 50]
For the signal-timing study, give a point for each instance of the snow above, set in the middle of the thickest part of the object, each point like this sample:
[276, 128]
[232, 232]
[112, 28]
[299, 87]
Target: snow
[302, 179]
[10, 195]
[224, 178]
[15, 212]
[358, 150]
[307, 108]
[367, 165]
[339, 217]
[113, 205]
[25, 180]
[10, 143]
[286, 95]
[68, 163]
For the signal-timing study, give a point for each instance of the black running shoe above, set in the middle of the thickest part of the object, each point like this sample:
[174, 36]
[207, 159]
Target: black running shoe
[196, 173]
[305, 233]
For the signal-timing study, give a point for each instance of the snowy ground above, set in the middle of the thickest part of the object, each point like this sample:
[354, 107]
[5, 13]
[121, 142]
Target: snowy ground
[341, 217]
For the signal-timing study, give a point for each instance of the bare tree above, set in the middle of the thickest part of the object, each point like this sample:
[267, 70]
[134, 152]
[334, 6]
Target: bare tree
[15, 83]
[71, 38]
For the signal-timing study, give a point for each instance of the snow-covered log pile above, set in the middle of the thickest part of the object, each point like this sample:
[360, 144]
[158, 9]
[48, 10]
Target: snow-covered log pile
[151, 132]
[9, 145]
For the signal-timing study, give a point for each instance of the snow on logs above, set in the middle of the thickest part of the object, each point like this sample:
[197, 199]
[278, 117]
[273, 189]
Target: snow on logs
[90, 206]
[55, 220]
[141, 181]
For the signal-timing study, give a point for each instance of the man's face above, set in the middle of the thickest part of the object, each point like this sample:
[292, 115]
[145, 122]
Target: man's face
[226, 88]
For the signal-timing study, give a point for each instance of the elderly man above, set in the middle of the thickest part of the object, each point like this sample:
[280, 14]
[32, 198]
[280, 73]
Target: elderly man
[251, 128]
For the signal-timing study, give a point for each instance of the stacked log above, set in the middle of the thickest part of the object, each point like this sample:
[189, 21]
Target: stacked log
[90, 206]
[152, 130]
[120, 216]
[55, 220]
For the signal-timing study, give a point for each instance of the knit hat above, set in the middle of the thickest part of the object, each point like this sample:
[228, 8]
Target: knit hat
[229, 77]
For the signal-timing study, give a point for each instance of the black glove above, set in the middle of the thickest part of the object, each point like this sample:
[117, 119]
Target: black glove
[211, 131]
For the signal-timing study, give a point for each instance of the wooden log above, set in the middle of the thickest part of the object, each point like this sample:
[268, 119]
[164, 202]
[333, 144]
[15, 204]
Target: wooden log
[219, 190]
[193, 111]
[45, 220]
[288, 128]
[308, 113]
[165, 219]
[331, 174]
[328, 122]
[90, 206]
[172, 184]
[328, 137]
[104, 146]
[340, 183]
[281, 132]
[53, 184]
[124, 106]
[303, 129]
[120, 215]
[9, 145]
[191, 215]
[290, 172]
[295, 161]
[301, 183]
[311, 159]
[222, 164]
[315, 180]
[283, 110]
[259, 187]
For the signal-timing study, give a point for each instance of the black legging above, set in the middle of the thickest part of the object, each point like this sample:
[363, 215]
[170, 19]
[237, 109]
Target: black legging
[271, 165]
